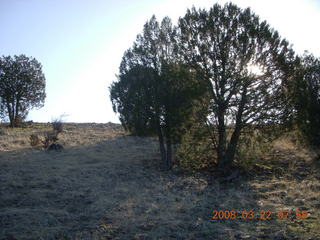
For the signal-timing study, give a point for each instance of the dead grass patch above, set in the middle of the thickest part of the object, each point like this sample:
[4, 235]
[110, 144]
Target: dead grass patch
[107, 185]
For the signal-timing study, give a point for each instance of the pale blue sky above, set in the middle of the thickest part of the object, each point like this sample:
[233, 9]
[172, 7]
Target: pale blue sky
[80, 43]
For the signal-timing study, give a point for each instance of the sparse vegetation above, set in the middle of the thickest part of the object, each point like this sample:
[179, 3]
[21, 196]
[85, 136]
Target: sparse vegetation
[49, 137]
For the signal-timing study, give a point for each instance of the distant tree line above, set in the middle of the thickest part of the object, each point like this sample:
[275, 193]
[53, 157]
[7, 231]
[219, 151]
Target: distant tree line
[22, 87]
[213, 75]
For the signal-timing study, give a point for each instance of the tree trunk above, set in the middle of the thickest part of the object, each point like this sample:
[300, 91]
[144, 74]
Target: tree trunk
[11, 114]
[222, 138]
[169, 149]
[161, 145]
[16, 115]
[169, 154]
[232, 146]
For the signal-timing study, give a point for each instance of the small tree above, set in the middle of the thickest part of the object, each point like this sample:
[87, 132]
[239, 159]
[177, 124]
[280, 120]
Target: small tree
[133, 97]
[22, 87]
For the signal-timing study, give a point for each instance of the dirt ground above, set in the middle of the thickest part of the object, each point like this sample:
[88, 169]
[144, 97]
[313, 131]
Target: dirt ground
[106, 184]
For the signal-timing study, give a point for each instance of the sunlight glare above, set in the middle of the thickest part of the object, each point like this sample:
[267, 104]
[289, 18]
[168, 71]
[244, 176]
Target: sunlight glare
[255, 69]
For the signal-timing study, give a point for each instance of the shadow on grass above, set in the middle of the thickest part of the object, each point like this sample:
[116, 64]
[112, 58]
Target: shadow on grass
[115, 190]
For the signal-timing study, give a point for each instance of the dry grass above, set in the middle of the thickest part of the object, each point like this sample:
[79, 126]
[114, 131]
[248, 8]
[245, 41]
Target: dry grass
[108, 185]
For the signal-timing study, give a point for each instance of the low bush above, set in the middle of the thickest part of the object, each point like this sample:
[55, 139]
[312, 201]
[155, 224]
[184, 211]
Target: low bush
[34, 140]
[49, 138]
[57, 126]
[196, 150]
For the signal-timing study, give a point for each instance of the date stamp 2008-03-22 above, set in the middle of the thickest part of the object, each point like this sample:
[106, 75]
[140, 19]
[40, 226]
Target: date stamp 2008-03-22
[261, 214]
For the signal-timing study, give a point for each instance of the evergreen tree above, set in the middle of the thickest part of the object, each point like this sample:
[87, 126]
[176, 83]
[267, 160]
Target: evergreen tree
[245, 62]
[305, 96]
[154, 91]
[22, 87]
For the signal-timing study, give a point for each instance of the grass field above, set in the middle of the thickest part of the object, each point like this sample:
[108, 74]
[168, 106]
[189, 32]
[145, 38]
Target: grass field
[106, 184]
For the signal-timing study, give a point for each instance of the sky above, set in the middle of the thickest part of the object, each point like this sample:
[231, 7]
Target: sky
[80, 43]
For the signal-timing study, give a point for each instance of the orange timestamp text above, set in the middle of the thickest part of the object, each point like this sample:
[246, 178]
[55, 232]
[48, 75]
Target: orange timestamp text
[261, 214]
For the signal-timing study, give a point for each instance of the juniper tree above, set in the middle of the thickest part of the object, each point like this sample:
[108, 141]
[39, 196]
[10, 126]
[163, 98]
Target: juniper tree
[245, 62]
[305, 95]
[154, 92]
[22, 87]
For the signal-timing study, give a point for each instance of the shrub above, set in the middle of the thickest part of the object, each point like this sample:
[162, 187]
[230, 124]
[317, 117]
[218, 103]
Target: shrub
[50, 137]
[34, 140]
[196, 150]
[57, 125]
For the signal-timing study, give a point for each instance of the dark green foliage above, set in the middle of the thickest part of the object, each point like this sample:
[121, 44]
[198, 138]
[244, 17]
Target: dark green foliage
[133, 97]
[180, 95]
[196, 149]
[152, 104]
[22, 87]
[306, 97]
[155, 92]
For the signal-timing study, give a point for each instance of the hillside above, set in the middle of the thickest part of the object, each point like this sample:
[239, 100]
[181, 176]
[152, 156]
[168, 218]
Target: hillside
[106, 184]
